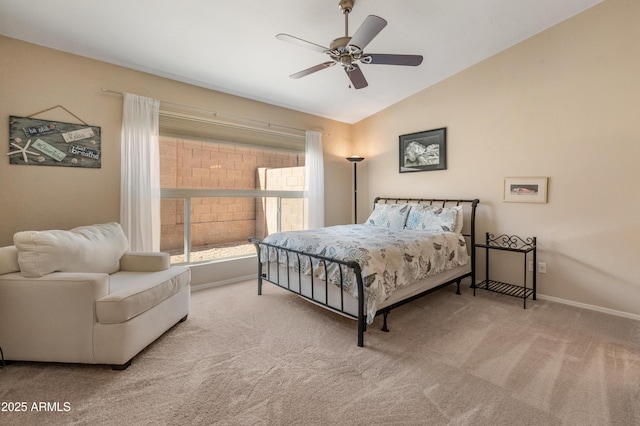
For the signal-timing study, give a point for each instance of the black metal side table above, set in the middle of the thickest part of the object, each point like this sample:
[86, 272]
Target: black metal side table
[515, 244]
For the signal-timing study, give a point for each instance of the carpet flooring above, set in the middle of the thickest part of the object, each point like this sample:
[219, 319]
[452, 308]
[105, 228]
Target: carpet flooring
[243, 359]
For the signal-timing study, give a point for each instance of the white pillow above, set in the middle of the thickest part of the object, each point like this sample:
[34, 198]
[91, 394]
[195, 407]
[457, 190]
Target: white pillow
[94, 248]
[392, 216]
[459, 219]
[435, 218]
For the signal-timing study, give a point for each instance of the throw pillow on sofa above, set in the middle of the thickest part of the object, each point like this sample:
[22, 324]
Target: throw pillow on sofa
[93, 248]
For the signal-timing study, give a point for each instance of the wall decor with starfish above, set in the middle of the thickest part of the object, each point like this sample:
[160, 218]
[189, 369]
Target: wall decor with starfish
[53, 143]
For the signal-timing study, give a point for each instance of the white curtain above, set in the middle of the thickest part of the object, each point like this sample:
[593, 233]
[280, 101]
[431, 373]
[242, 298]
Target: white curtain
[314, 181]
[140, 173]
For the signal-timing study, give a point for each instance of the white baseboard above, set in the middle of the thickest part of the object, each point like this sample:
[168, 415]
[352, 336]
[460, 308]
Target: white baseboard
[539, 296]
[590, 307]
[224, 282]
[586, 306]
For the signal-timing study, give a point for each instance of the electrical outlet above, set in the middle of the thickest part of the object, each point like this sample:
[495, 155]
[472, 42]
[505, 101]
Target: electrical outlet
[542, 267]
[531, 266]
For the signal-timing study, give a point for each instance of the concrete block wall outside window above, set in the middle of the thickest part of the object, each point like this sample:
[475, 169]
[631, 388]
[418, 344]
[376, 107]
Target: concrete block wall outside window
[219, 220]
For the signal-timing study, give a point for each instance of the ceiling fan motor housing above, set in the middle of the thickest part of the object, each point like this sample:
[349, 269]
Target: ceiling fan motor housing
[343, 53]
[340, 44]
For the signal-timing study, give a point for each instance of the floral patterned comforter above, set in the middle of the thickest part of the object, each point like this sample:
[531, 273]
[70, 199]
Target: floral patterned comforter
[390, 259]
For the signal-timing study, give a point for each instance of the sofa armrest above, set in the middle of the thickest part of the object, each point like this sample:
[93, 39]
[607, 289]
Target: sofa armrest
[68, 285]
[48, 318]
[9, 260]
[144, 261]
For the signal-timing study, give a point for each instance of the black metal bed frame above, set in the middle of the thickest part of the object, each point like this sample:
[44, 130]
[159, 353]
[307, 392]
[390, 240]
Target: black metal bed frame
[275, 278]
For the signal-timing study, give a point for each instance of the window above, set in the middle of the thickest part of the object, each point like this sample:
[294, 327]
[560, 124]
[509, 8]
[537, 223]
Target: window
[218, 193]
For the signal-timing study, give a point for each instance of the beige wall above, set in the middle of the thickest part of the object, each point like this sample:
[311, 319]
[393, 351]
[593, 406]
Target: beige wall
[563, 104]
[33, 78]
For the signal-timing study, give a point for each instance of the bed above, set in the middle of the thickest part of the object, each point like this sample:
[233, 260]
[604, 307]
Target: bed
[406, 249]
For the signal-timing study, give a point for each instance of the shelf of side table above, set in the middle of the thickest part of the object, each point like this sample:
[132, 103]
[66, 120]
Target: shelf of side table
[514, 244]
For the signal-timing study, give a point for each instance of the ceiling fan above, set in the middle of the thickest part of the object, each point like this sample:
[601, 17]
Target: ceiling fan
[348, 51]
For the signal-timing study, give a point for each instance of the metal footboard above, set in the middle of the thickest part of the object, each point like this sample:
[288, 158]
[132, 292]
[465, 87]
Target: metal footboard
[274, 275]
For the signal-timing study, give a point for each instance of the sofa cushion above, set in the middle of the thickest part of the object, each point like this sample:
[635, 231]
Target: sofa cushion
[133, 293]
[141, 261]
[94, 248]
[9, 260]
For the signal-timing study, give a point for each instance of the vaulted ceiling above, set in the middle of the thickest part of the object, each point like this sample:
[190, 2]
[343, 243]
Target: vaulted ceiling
[230, 45]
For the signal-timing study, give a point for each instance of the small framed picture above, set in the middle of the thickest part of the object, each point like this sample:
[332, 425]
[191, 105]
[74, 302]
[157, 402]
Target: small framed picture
[525, 189]
[423, 151]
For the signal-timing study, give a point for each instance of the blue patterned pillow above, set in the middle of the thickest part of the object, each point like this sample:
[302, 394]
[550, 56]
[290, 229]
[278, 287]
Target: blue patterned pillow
[434, 218]
[392, 216]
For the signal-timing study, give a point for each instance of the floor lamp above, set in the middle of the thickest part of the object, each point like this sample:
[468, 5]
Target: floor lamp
[355, 159]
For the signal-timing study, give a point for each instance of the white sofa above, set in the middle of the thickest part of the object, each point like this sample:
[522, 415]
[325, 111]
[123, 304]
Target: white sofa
[79, 296]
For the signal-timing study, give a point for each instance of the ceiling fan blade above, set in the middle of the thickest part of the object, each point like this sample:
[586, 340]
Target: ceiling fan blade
[313, 69]
[356, 77]
[370, 28]
[300, 42]
[390, 59]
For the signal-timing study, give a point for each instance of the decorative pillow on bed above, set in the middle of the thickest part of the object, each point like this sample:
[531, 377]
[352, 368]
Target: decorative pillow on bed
[434, 218]
[95, 248]
[392, 216]
[459, 219]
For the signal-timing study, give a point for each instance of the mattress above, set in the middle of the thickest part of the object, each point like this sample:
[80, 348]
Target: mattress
[341, 302]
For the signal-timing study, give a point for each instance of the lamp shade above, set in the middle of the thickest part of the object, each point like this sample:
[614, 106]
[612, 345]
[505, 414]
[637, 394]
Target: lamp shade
[355, 158]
